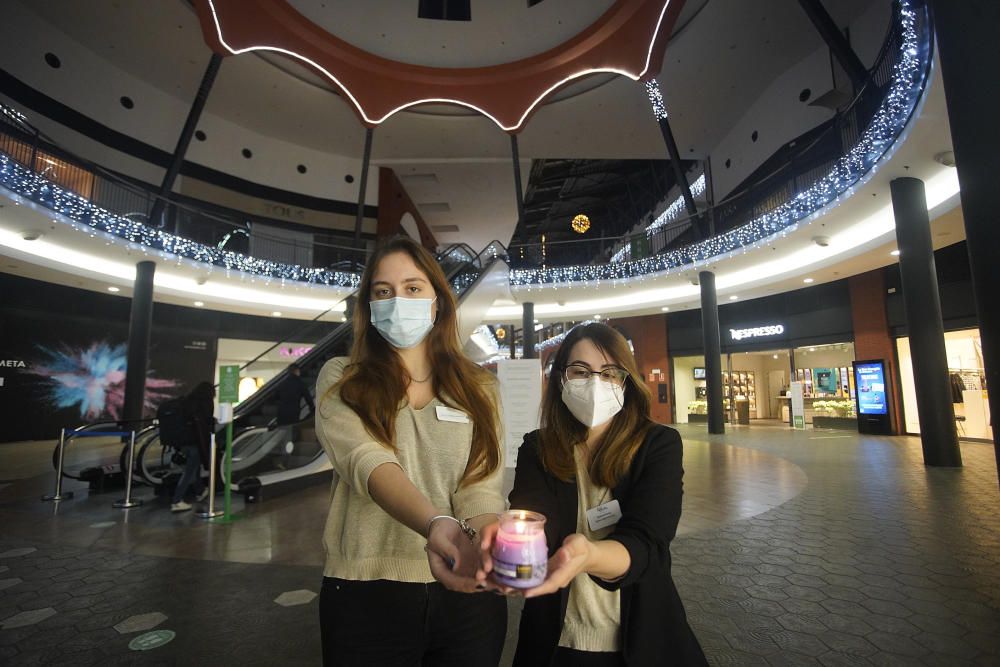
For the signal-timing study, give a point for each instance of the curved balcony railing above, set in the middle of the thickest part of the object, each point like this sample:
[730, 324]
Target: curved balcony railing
[830, 161]
[828, 164]
[35, 169]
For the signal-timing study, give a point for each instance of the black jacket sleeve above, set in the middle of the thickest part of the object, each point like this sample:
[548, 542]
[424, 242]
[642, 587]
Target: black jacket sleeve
[651, 505]
[534, 489]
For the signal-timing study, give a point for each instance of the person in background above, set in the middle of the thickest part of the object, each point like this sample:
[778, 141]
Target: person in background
[412, 429]
[291, 393]
[199, 414]
[608, 479]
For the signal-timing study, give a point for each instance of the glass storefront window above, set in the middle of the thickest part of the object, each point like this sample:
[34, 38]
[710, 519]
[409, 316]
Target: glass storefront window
[967, 376]
[755, 384]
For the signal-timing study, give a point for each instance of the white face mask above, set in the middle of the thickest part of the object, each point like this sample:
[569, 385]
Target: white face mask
[593, 402]
[402, 322]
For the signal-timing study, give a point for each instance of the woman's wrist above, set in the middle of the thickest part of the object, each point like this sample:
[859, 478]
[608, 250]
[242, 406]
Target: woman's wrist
[469, 531]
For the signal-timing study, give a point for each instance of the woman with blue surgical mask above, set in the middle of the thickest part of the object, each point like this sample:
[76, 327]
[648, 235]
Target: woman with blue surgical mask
[608, 480]
[413, 431]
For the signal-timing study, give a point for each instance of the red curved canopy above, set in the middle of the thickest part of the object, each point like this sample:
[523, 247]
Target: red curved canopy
[628, 39]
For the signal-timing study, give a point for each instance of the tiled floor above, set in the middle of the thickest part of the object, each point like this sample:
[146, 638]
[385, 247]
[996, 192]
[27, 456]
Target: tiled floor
[795, 548]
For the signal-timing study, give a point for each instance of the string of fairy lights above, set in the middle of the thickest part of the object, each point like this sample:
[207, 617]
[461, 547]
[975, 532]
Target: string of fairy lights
[91, 219]
[848, 173]
[656, 99]
[669, 214]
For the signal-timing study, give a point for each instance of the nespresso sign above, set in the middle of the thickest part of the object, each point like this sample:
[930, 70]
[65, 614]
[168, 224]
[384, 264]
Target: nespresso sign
[757, 332]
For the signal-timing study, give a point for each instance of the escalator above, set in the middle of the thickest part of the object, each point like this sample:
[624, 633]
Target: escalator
[271, 459]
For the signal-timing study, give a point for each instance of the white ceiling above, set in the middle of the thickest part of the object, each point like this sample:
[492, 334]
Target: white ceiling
[715, 66]
[500, 31]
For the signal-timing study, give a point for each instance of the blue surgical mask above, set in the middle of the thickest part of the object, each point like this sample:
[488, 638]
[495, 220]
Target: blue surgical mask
[402, 322]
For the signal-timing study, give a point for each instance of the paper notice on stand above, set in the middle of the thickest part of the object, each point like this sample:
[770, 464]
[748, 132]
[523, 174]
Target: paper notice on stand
[521, 394]
[798, 405]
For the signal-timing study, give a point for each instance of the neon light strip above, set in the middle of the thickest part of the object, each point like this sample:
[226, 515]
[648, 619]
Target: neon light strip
[374, 121]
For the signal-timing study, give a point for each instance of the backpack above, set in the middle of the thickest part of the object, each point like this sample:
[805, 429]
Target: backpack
[175, 429]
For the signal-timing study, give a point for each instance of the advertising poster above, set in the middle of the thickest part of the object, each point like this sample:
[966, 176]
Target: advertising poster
[521, 397]
[63, 372]
[825, 381]
[869, 378]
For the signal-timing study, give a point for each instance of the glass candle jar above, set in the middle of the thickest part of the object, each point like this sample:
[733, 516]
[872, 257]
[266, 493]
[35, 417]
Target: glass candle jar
[520, 555]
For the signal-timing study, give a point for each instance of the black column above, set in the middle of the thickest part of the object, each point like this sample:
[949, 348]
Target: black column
[139, 328]
[675, 163]
[713, 351]
[966, 33]
[362, 187]
[512, 340]
[518, 191]
[835, 39]
[923, 319]
[180, 150]
[528, 335]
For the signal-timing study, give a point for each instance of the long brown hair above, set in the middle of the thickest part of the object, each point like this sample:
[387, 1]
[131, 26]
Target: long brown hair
[560, 431]
[374, 383]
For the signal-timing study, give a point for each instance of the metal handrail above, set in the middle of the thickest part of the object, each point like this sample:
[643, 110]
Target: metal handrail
[107, 188]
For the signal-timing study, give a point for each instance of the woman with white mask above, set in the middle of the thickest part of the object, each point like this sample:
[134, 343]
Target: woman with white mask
[608, 480]
[413, 431]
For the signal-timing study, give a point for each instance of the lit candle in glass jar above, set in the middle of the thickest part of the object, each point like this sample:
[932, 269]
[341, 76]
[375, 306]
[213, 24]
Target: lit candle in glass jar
[520, 555]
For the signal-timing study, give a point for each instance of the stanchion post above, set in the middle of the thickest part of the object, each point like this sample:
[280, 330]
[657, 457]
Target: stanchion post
[59, 495]
[211, 512]
[229, 380]
[127, 502]
[229, 466]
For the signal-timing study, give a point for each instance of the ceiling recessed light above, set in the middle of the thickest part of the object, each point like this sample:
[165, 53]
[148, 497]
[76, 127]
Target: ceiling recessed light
[276, 313]
[597, 317]
[812, 349]
[199, 304]
[665, 308]
[807, 280]
[536, 321]
[733, 298]
[775, 356]
[114, 289]
[894, 253]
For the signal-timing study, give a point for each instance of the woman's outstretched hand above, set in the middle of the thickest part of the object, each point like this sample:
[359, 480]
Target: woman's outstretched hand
[568, 561]
[454, 559]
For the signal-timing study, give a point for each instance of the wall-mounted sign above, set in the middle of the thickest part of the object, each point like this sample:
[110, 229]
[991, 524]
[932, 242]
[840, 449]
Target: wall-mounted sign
[757, 332]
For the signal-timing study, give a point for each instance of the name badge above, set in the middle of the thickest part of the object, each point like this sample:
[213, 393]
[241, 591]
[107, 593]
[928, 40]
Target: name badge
[604, 515]
[446, 414]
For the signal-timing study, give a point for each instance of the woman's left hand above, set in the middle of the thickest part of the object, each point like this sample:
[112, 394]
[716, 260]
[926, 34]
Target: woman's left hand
[570, 560]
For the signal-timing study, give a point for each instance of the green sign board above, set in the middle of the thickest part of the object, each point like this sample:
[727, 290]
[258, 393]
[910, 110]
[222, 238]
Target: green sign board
[150, 640]
[800, 421]
[229, 384]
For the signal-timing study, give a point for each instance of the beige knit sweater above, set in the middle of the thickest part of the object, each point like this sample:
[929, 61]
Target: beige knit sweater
[363, 542]
[593, 614]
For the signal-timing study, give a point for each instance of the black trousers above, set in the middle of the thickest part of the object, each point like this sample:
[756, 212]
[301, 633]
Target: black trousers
[567, 657]
[375, 623]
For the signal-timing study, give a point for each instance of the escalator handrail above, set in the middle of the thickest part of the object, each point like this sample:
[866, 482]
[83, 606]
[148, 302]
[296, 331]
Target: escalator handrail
[297, 334]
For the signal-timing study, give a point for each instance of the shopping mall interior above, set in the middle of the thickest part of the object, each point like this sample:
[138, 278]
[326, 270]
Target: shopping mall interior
[786, 207]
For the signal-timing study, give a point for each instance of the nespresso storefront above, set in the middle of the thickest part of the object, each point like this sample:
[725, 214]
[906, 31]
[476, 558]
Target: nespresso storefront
[767, 343]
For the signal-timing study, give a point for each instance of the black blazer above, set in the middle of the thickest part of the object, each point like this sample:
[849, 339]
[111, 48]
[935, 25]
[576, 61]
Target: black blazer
[654, 627]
